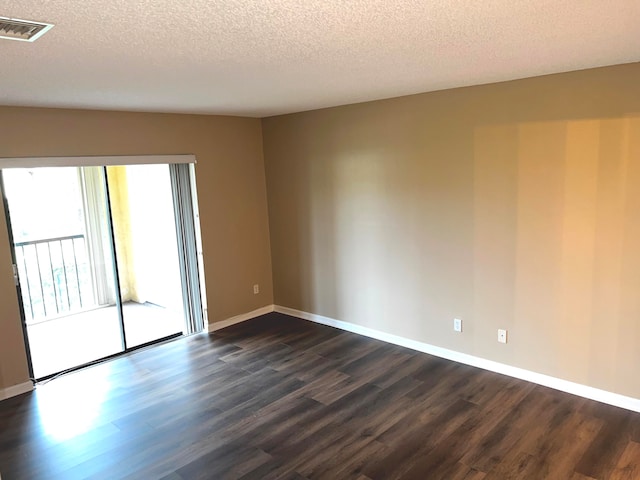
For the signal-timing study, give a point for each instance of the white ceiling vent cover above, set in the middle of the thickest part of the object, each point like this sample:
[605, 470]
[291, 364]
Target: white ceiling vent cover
[23, 30]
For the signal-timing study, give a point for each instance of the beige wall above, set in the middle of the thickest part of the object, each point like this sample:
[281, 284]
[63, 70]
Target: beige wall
[513, 205]
[231, 190]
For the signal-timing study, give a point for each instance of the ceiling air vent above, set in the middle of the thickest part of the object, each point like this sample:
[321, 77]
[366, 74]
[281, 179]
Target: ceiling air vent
[24, 30]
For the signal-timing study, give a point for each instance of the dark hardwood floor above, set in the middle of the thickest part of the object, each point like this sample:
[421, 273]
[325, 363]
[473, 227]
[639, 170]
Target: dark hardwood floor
[278, 397]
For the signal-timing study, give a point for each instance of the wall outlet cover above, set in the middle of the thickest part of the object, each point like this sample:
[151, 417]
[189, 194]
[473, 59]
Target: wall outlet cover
[457, 324]
[502, 336]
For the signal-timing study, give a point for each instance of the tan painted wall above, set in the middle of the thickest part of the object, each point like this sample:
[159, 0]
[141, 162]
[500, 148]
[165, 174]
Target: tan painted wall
[231, 189]
[513, 205]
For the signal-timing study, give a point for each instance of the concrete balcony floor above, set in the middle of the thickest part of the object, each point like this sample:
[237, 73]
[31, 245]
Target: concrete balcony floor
[72, 340]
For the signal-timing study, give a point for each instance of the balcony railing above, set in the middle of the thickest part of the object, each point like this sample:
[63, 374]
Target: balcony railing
[54, 275]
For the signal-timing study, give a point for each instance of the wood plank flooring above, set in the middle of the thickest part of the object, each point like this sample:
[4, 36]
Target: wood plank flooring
[282, 398]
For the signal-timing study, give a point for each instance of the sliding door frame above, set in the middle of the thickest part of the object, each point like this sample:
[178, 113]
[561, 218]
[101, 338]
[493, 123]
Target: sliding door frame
[114, 260]
[16, 278]
[183, 194]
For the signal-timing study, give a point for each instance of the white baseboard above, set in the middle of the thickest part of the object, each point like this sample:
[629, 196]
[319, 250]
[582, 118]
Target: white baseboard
[15, 390]
[585, 391]
[243, 317]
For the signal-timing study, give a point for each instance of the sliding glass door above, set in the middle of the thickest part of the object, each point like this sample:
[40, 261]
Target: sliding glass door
[100, 257]
[66, 274]
[146, 247]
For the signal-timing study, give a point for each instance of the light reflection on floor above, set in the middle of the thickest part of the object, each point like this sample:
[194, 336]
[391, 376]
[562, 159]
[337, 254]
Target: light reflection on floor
[68, 408]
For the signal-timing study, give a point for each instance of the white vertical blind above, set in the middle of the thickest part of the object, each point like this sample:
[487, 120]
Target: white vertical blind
[187, 246]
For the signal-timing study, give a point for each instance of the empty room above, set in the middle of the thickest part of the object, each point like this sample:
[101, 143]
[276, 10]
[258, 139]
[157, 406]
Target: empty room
[320, 240]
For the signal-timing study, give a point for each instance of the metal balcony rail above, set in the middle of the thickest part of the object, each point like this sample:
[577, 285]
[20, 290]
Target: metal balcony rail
[54, 276]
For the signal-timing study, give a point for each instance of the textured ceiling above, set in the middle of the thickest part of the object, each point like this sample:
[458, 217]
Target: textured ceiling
[266, 57]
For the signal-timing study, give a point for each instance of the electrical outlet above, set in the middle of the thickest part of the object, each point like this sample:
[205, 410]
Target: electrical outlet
[457, 324]
[502, 336]
[256, 289]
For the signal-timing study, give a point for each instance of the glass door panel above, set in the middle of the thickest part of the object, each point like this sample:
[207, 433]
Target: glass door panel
[144, 226]
[64, 260]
